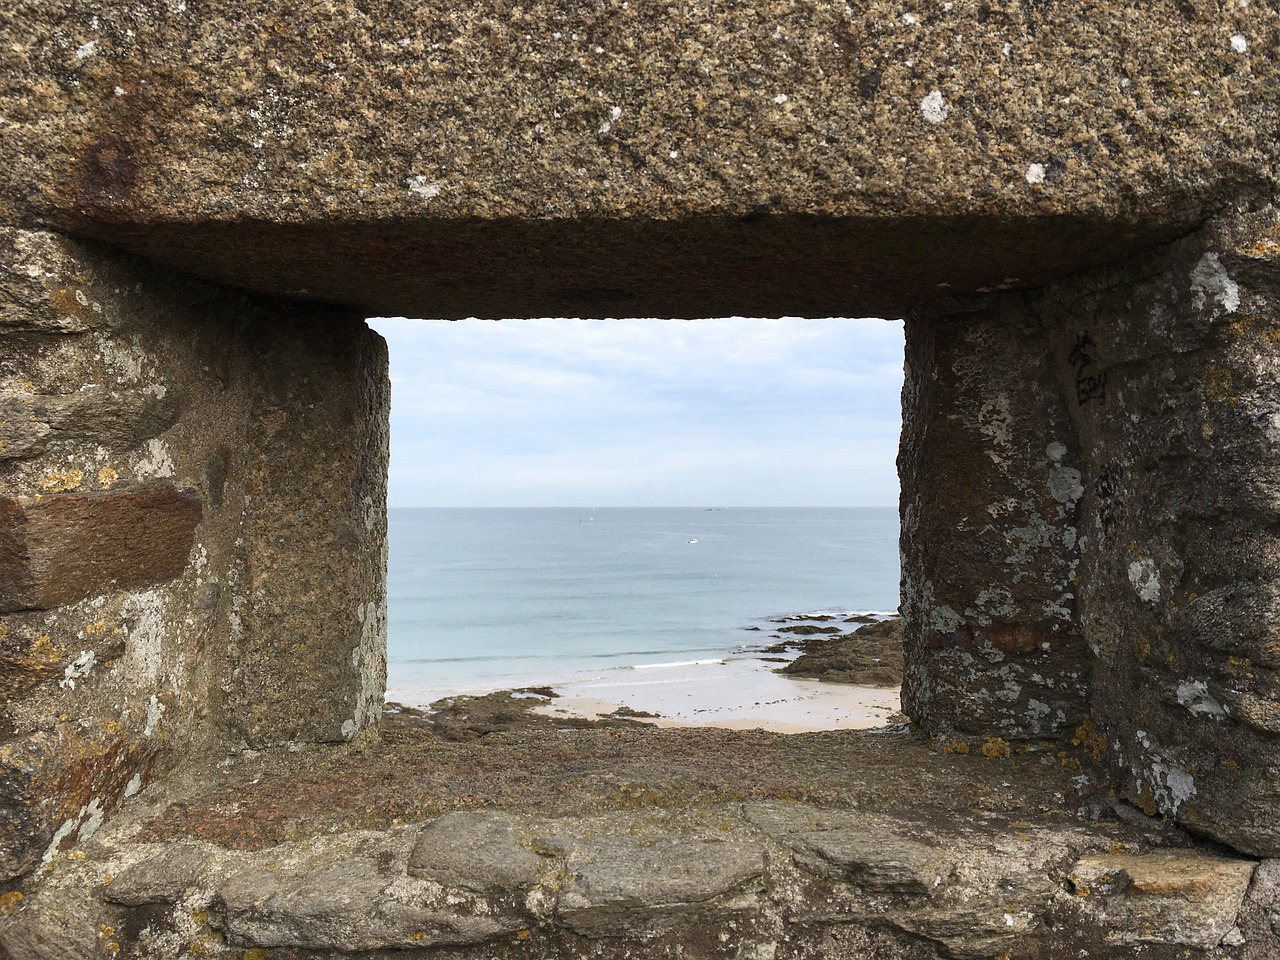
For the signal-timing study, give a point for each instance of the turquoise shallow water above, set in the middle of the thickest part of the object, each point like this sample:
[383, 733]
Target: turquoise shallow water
[481, 599]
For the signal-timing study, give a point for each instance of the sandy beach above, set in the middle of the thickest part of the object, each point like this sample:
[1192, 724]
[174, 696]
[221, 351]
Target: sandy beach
[740, 693]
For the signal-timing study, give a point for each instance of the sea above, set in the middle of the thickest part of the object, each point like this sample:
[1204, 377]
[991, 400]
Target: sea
[491, 598]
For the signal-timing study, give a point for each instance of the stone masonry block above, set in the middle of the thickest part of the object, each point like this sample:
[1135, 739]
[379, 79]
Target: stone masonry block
[62, 548]
[990, 494]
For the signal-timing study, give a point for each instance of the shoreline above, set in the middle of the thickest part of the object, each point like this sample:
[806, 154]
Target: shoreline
[741, 691]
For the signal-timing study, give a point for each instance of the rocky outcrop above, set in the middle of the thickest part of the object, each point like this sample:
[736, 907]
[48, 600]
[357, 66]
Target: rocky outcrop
[870, 656]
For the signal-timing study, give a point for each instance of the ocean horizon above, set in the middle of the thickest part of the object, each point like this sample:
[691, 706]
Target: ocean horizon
[482, 599]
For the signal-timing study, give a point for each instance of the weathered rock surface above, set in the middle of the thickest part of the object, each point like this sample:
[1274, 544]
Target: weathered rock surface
[474, 850]
[554, 159]
[597, 853]
[1167, 897]
[1172, 372]
[1088, 462]
[990, 528]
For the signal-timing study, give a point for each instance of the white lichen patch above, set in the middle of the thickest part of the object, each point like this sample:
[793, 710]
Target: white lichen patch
[1211, 283]
[1035, 173]
[1194, 695]
[995, 422]
[86, 50]
[992, 604]
[134, 785]
[144, 649]
[944, 620]
[92, 817]
[61, 834]
[126, 362]
[933, 108]
[1065, 485]
[1173, 786]
[1056, 451]
[1145, 579]
[1239, 44]
[77, 668]
[368, 660]
[155, 462]
[155, 713]
[422, 187]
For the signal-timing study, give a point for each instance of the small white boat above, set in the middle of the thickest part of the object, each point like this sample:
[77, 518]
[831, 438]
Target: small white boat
[694, 540]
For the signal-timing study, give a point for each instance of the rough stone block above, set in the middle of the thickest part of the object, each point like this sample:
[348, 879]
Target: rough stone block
[346, 900]
[114, 421]
[1173, 368]
[437, 160]
[478, 851]
[39, 292]
[65, 547]
[619, 882]
[60, 784]
[990, 528]
[1181, 897]
[308, 599]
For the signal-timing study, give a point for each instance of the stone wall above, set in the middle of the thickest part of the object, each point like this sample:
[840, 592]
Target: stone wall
[1174, 368]
[1089, 522]
[185, 471]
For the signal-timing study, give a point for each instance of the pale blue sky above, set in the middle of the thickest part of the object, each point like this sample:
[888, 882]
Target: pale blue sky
[583, 413]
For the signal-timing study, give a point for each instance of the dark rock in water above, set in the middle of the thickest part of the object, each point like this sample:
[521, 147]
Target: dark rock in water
[806, 629]
[871, 656]
[625, 712]
[750, 628]
[862, 618]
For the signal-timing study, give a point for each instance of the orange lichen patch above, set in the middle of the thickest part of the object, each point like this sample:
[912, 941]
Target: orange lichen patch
[1069, 762]
[995, 747]
[1231, 768]
[60, 481]
[523, 934]
[1146, 801]
[95, 629]
[256, 953]
[1090, 739]
[1142, 648]
[72, 303]
[107, 478]
[955, 746]
[9, 902]
[1219, 384]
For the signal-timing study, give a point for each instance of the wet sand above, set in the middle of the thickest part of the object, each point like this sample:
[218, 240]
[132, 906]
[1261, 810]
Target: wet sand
[736, 694]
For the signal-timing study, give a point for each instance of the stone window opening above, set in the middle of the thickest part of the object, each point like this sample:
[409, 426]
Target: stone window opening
[637, 413]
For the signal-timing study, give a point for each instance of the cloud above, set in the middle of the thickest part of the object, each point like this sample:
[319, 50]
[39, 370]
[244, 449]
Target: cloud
[644, 412]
